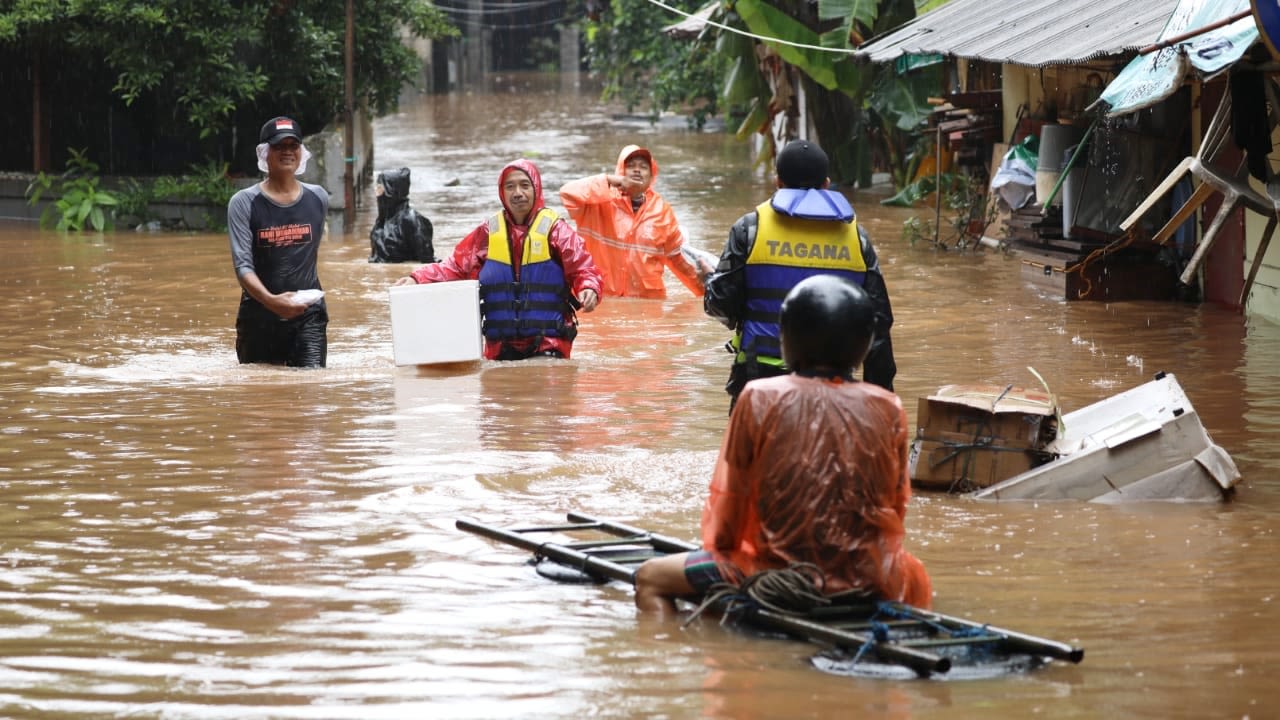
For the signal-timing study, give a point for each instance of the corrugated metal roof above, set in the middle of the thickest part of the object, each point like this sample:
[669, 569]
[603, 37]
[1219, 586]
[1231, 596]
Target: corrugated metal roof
[1027, 32]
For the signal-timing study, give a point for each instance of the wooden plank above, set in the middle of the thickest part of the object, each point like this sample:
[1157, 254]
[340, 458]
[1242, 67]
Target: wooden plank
[1257, 260]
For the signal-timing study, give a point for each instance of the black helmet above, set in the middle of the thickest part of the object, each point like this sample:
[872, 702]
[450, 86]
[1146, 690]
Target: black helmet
[827, 324]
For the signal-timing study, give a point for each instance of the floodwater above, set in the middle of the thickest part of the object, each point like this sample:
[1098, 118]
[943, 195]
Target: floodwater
[183, 537]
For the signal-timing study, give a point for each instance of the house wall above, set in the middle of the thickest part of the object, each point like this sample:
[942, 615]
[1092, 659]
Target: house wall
[1020, 87]
[1024, 86]
[424, 81]
[328, 166]
[1264, 297]
[1055, 94]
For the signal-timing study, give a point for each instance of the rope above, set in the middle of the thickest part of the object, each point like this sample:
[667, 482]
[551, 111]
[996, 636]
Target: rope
[902, 612]
[1114, 246]
[879, 634]
[795, 590]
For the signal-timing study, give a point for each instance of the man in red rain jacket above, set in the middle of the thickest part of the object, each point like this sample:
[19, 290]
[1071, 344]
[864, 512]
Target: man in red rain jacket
[533, 272]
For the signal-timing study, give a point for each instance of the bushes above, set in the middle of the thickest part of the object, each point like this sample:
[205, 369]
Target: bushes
[195, 201]
[81, 204]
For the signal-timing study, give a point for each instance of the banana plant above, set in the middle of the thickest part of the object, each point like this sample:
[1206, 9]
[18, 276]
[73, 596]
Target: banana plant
[859, 109]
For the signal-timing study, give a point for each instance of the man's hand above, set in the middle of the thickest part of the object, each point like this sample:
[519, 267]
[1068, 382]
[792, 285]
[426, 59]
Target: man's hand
[285, 306]
[406, 280]
[628, 186]
[588, 298]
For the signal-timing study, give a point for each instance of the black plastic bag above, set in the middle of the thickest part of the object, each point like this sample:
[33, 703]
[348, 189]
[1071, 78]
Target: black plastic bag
[400, 234]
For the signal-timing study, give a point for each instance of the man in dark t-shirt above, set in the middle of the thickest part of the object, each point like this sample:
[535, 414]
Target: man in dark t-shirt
[275, 228]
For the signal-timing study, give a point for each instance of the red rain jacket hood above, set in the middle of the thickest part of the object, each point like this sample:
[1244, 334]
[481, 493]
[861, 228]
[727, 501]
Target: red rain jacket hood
[528, 168]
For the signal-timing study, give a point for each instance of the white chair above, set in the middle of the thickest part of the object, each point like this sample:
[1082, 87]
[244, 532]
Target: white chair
[1234, 187]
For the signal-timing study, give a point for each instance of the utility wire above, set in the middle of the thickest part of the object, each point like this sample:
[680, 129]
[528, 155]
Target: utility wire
[490, 8]
[765, 38]
[520, 26]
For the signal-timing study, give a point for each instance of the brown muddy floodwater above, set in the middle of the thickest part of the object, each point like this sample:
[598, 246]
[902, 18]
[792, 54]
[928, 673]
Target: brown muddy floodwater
[183, 537]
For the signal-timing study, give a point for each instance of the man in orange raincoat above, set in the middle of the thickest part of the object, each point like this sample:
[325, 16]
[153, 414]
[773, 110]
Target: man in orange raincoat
[629, 230]
[812, 469]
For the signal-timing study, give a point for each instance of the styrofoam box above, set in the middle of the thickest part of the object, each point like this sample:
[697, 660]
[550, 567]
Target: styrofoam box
[436, 322]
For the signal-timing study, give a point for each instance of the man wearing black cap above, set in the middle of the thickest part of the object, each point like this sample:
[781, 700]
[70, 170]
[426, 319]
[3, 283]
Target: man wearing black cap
[275, 228]
[803, 230]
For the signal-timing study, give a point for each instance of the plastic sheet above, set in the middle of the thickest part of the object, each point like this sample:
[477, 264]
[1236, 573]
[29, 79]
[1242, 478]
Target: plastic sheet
[400, 233]
[814, 471]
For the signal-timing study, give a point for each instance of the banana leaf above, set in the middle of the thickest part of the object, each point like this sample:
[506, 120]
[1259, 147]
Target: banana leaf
[766, 20]
[904, 98]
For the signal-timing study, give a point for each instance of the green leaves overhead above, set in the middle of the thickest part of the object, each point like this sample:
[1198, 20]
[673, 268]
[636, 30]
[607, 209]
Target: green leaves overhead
[743, 82]
[644, 67]
[210, 59]
[829, 69]
[847, 12]
[902, 99]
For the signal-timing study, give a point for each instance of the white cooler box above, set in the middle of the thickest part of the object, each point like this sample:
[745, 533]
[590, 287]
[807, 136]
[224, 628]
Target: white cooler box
[436, 323]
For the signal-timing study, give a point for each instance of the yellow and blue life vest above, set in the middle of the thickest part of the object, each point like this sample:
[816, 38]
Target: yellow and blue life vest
[533, 306]
[788, 249]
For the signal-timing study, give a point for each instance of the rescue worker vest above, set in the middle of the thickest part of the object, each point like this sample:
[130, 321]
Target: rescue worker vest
[786, 251]
[533, 305]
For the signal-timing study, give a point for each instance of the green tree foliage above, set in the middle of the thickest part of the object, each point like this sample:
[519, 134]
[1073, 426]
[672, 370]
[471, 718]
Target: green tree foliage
[864, 114]
[644, 68]
[210, 59]
[841, 91]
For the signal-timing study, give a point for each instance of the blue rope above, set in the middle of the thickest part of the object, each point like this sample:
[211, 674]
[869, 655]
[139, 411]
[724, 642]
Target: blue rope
[906, 612]
[967, 632]
[879, 634]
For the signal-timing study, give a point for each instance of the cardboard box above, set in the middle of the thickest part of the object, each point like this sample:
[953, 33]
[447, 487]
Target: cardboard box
[959, 463]
[1146, 443]
[1018, 417]
[436, 323]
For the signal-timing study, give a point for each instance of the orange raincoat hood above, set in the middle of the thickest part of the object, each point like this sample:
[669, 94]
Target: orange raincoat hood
[631, 245]
[628, 151]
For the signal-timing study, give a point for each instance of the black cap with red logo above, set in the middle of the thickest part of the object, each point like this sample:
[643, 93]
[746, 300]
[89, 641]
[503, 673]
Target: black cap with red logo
[278, 129]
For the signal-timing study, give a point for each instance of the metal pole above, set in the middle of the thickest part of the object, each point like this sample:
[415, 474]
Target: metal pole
[659, 542]
[1192, 33]
[1020, 642]
[937, 185]
[923, 663]
[558, 553]
[348, 150]
[40, 142]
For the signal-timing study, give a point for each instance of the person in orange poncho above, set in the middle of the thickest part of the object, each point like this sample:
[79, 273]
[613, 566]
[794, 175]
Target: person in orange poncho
[629, 230]
[812, 469]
